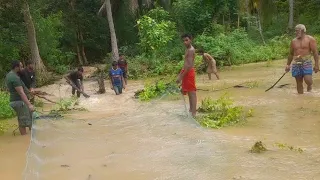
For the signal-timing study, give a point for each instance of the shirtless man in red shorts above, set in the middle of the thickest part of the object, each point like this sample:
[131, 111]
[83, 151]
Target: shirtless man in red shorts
[187, 74]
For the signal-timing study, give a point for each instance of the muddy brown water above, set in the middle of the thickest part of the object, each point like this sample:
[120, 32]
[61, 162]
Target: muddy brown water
[152, 141]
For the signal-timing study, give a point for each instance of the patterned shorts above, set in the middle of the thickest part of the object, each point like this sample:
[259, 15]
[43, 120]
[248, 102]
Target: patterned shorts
[23, 113]
[300, 69]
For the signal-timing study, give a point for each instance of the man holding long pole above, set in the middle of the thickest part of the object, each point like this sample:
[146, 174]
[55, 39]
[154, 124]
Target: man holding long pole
[301, 50]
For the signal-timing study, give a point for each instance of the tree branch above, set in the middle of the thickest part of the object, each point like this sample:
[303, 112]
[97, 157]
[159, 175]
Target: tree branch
[102, 8]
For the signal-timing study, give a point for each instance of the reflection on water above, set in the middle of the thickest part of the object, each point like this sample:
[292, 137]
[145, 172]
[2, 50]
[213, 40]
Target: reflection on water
[121, 138]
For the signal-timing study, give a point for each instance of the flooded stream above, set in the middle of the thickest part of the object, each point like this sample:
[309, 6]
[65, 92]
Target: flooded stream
[123, 139]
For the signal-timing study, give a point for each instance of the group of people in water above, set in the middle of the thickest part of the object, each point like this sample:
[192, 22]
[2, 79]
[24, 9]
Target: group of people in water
[21, 81]
[118, 77]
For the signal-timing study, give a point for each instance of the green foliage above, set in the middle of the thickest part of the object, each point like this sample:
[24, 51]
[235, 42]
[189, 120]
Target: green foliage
[289, 147]
[217, 26]
[49, 34]
[192, 15]
[12, 35]
[5, 125]
[155, 90]
[68, 104]
[155, 34]
[143, 67]
[237, 48]
[61, 69]
[221, 112]
[5, 110]
[38, 103]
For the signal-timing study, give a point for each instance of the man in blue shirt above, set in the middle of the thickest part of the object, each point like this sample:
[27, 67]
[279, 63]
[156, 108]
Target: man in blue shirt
[116, 78]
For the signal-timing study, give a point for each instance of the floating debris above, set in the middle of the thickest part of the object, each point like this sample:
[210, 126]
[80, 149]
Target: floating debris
[258, 147]
[286, 146]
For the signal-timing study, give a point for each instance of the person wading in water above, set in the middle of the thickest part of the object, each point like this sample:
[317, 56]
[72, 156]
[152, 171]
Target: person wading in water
[76, 77]
[211, 62]
[28, 77]
[123, 65]
[188, 73]
[300, 53]
[19, 100]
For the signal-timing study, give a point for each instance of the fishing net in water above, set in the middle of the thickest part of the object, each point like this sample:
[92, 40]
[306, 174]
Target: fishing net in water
[146, 141]
[115, 147]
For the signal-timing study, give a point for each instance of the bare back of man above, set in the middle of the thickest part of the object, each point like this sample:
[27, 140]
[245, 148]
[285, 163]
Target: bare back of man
[301, 50]
[212, 65]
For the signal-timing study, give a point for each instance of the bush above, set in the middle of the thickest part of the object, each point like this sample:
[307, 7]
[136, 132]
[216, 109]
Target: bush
[67, 104]
[5, 110]
[237, 48]
[61, 69]
[155, 34]
[221, 112]
[142, 66]
[49, 34]
[155, 90]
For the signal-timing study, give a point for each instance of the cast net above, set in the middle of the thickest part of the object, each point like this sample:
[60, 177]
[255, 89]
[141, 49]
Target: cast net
[122, 139]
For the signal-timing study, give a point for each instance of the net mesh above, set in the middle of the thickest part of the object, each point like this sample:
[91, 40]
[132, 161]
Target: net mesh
[123, 139]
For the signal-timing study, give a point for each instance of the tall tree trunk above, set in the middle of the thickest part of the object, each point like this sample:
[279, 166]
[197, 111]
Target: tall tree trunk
[114, 45]
[260, 27]
[79, 55]
[238, 23]
[85, 60]
[290, 24]
[32, 41]
[247, 12]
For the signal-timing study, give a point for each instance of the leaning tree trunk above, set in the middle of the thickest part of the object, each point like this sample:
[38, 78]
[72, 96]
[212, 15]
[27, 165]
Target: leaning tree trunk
[114, 45]
[32, 40]
[290, 24]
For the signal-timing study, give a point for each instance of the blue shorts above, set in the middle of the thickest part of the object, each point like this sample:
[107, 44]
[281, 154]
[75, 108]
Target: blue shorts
[301, 69]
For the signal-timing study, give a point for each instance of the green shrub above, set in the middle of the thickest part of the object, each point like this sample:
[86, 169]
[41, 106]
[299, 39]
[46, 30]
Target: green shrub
[155, 90]
[221, 112]
[5, 110]
[143, 67]
[4, 126]
[154, 34]
[38, 103]
[61, 69]
[65, 105]
[237, 48]
[49, 34]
